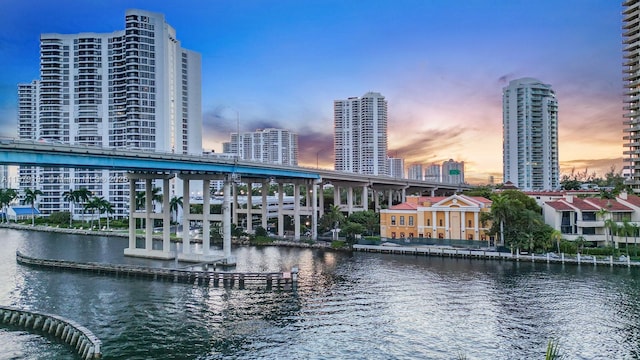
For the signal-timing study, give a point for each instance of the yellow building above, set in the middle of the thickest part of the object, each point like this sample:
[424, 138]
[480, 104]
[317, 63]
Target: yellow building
[451, 217]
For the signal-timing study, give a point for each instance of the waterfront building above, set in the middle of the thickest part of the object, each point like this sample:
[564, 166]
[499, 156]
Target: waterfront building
[396, 168]
[453, 172]
[135, 88]
[274, 146]
[360, 134]
[451, 217]
[432, 173]
[415, 172]
[631, 71]
[530, 135]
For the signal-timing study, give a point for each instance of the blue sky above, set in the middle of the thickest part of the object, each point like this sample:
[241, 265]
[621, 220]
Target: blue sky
[441, 65]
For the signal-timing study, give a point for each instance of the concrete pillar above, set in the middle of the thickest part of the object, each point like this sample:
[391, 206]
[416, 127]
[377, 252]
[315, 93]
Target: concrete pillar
[321, 199]
[376, 200]
[476, 230]
[132, 210]
[226, 220]
[403, 198]
[148, 209]
[336, 195]
[314, 211]
[206, 210]
[280, 210]
[296, 211]
[265, 204]
[249, 206]
[186, 216]
[390, 192]
[446, 224]
[166, 216]
[234, 214]
[365, 198]
[349, 200]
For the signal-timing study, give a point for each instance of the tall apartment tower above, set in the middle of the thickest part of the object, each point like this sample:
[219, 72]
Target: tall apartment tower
[135, 88]
[453, 172]
[631, 71]
[432, 173]
[360, 134]
[274, 146]
[530, 135]
[415, 172]
[396, 168]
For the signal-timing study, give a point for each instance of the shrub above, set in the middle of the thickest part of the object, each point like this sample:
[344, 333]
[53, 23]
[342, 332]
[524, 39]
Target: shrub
[60, 217]
[338, 244]
[261, 240]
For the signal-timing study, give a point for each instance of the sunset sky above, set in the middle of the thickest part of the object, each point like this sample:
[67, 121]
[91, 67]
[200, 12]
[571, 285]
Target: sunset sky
[440, 64]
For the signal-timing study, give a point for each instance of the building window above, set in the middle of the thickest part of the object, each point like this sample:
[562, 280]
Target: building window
[411, 235]
[410, 220]
[470, 223]
[440, 236]
[393, 235]
[440, 222]
[428, 235]
[401, 220]
[402, 235]
[428, 222]
[470, 237]
[393, 219]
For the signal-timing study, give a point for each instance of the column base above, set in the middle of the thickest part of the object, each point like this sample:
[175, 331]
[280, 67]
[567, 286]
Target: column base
[209, 259]
[149, 254]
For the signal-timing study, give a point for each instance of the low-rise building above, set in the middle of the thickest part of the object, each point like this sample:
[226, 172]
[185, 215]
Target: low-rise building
[452, 217]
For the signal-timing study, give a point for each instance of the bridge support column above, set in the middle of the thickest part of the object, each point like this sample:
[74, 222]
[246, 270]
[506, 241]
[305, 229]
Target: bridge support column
[376, 200]
[280, 210]
[249, 206]
[235, 203]
[349, 200]
[365, 198]
[186, 215]
[206, 209]
[314, 212]
[296, 211]
[148, 209]
[226, 220]
[132, 210]
[336, 195]
[166, 217]
[265, 205]
[390, 199]
[321, 200]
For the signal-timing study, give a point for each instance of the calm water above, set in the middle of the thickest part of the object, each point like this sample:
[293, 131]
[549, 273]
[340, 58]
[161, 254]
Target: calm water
[347, 306]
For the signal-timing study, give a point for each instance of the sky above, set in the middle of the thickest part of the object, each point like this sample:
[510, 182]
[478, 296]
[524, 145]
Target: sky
[440, 64]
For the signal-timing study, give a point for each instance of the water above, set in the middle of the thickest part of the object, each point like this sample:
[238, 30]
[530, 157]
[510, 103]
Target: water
[371, 306]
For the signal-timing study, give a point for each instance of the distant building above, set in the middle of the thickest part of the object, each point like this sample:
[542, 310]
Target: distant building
[273, 146]
[134, 88]
[396, 168]
[530, 135]
[415, 172]
[453, 172]
[453, 217]
[631, 76]
[360, 134]
[433, 173]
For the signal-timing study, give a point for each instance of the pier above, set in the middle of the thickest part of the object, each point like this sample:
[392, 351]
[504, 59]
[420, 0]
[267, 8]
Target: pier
[79, 338]
[281, 280]
[495, 255]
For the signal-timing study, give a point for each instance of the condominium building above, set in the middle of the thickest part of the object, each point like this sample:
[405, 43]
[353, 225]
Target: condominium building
[453, 172]
[396, 168]
[631, 70]
[135, 88]
[360, 134]
[432, 173]
[415, 172]
[274, 146]
[530, 135]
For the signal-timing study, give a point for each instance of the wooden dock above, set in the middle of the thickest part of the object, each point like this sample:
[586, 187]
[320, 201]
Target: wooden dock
[487, 254]
[281, 280]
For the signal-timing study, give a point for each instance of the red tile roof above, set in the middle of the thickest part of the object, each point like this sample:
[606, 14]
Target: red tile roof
[560, 205]
[633, 200]
[608, 204]
[404, 206]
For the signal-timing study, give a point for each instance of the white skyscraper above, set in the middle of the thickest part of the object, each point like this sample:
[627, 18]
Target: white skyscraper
[432, 173]
[631, 66]
[396, 168]
[530, 135]
[360, 134]
[415, 172]
[274, 146]
[453, 172]
[135, 88]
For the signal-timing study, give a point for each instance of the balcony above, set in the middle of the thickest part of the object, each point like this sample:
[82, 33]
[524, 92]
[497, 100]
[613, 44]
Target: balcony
[590, 224]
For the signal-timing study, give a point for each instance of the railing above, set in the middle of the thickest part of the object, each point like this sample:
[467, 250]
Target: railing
[83, 342]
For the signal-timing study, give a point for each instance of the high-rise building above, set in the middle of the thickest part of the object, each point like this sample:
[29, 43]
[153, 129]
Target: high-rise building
[274, 146]
[432, 173]
[135, 88]
[396, 168]
[530, 135]
[453, 172]
[360, 134]
[631, 70]
[415, 172]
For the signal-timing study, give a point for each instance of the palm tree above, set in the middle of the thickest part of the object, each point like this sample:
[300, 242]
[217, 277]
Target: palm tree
[107, 208]
[71, 197]
[93, 205]
[6, 197]
[500, 213]
[156, 195]
[174, 204]
[612, 226]
[82, 196]
[30, 197]
[556, 236]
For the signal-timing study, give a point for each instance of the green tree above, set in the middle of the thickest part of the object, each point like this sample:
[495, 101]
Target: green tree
[105, 207]
[70, 197]
[93, 205]
[612, 226]
[369, 219]
[82, 195]
[174, 205]
[6, 198]
[30, 197]
[556, 236]
[332, 219]
[351, 229]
